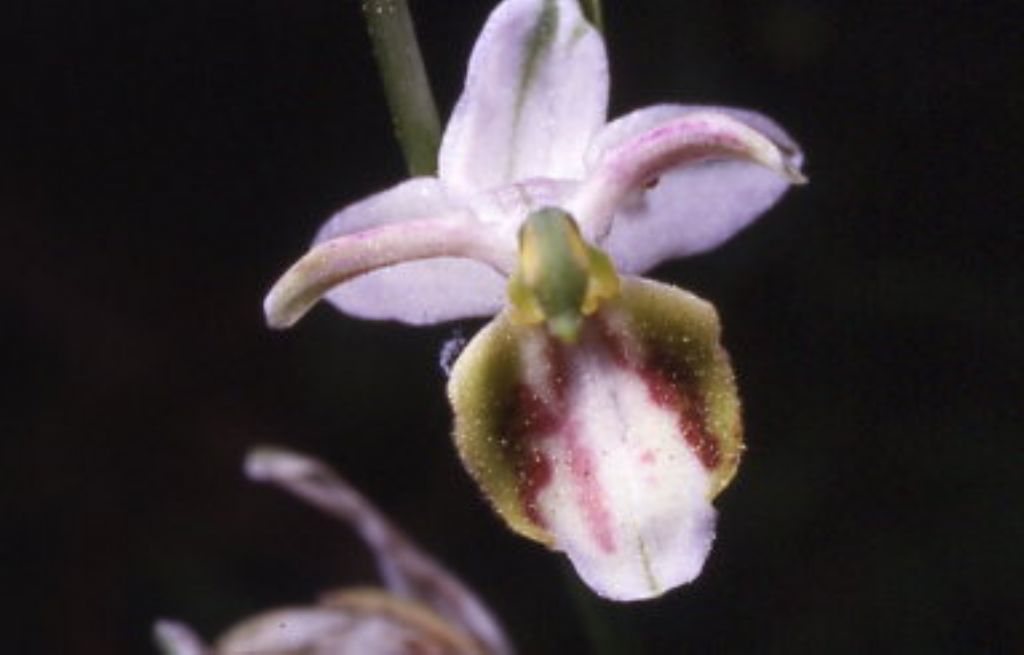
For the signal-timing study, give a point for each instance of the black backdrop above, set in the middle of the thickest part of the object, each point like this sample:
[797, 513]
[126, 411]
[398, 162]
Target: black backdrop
[163, 161]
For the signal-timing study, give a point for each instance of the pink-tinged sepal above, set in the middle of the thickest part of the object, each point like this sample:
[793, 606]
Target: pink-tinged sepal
[342, 259]
[673, 180]
[393, 265]
[610, 449]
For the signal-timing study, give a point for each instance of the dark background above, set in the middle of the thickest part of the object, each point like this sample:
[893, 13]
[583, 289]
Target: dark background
[163, 161]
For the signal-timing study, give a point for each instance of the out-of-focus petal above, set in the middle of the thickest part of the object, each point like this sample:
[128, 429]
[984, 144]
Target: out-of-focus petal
[610, 450]
[366, 623]
[433, 633]
[175, 638]
[671, 200]
[397, 267]
[287, 631]
[536, 93]
[409, 572]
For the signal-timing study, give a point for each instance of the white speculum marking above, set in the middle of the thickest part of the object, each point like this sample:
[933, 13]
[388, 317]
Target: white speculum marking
[628, 498]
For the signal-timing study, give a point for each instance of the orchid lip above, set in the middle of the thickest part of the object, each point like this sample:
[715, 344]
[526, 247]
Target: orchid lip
[611, 448]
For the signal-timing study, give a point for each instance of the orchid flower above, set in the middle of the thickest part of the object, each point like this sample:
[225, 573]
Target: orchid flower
[597, 410]
[424, 608]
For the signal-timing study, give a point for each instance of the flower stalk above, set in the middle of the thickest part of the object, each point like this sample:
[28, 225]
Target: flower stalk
[594, 13]
[406, 85]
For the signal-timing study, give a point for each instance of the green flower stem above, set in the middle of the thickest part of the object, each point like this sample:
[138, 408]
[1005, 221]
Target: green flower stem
[605, 632]
[406, 86]
[592, 10]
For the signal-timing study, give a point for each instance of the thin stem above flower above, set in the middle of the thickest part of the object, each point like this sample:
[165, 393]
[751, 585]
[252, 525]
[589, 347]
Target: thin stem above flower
[406, 84]
[595, 14]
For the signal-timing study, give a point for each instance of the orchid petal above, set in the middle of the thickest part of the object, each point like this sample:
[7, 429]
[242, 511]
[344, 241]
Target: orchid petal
[407, 290]
[407, 570]
[339, 260]
[610, 450]
[536, 93]
[503, 209]
[681, 180]
[367, 622]
[286, 631]
[426, 626]
[416, 292]
[176, 638]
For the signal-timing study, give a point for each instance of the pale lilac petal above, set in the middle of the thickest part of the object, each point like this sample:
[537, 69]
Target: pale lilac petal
[693, 204]
[503, 209]
[175, 638]
[423, 293]
[332, 263]
[536, 93]
[395, 251]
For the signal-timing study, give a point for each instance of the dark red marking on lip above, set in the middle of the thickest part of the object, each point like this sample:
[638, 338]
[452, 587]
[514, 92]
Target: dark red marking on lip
[683, 400]
[677, 393]
[588, 488]
[614, 346]
[532, 418]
